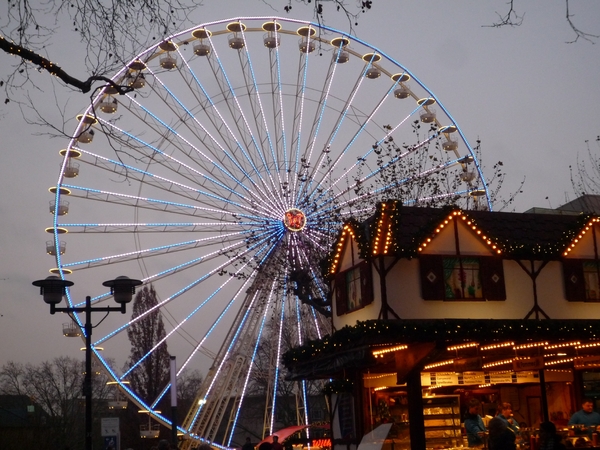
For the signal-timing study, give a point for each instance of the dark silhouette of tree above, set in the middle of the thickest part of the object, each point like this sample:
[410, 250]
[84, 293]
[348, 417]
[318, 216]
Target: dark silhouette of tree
[56, 387]
[585, 175]
[151, 372]
[113, 32]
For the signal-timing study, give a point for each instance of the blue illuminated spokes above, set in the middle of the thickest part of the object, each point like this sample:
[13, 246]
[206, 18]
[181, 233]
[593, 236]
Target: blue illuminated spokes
[190, 150]
[198, 170]
[178, 268]
[360, 129]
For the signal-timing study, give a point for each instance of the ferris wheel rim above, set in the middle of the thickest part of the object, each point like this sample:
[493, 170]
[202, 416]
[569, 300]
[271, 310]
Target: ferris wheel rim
[64, 268]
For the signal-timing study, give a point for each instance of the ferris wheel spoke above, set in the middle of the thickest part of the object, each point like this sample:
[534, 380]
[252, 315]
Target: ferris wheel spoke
[277, 105]
[259, 115]
[184, 320]
[159, 251]
[237, 162]
[264, 247]
[360, 129]
[241, 122]
[364, 157]
[209, 198]
[175, 166]
[223, 382]
[251, 366]
[214, 164]
[163, 205]
[359, 182]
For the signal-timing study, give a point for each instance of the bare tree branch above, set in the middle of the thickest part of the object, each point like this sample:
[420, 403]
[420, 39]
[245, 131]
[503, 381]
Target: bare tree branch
[44, 64]
[578, 33]
[511, 18]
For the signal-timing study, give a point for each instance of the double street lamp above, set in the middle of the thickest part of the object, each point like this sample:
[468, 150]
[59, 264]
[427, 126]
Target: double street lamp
[53, 289]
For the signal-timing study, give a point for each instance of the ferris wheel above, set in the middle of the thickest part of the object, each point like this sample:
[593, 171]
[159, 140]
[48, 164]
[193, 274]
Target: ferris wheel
[222, 179]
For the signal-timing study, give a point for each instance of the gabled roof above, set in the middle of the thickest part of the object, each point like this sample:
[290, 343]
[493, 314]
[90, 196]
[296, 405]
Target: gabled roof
[397, 230]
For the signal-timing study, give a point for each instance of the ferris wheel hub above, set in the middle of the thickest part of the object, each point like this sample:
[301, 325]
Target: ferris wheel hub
[294, 220]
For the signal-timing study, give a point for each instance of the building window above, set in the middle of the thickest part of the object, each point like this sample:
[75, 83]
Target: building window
[582, 280]
[462, 278]
[590, 277]
[353, 288]
[353, 297]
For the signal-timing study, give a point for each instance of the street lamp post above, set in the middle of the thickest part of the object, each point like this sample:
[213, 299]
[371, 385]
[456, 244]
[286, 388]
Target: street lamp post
[53, 289]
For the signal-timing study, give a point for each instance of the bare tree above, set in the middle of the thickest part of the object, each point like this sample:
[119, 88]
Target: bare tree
[585, 175]
[512, 18]
[56, 386]
[112, 32]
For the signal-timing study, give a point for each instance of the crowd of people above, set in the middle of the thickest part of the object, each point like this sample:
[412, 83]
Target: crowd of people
[503, 430]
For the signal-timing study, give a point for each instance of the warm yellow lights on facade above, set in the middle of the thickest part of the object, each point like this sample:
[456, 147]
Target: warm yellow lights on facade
[575, 241]
[347, 230]
[562, 345]
[380, 353]
[559, 361]
[497, 363]
[469, 222]
[530, 345]
[590, 345]
[463, 346]
[439, 364]
[495, 346]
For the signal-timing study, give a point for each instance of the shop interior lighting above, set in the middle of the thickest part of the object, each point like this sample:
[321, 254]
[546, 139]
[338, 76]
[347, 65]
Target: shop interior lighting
[438, 364]
[497, 346]
[463, 346]
[563, 344]
[559, 361]
[376, 377]
[530, 345]
[380, 353]
[497, 363]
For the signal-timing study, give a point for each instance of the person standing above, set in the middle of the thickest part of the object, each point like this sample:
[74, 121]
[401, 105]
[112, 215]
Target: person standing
[474, 424]
[500, 436]
[506, 414]
[276, 444]
[248, 445]
[586, 416]
[549, 438]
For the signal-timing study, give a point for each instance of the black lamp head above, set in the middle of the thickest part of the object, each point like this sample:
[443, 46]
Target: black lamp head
[122, 288]
[53, 288]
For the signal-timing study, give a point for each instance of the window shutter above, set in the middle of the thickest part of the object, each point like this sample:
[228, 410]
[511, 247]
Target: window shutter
[366, 283]
[432, 277]
[573, 279]
[492, 278]
[341, 303]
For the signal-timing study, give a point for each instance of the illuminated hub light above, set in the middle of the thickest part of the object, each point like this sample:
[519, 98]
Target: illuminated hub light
[294, 220]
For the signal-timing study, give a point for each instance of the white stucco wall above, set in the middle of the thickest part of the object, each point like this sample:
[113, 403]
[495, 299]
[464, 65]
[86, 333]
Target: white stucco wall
[404, 287]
